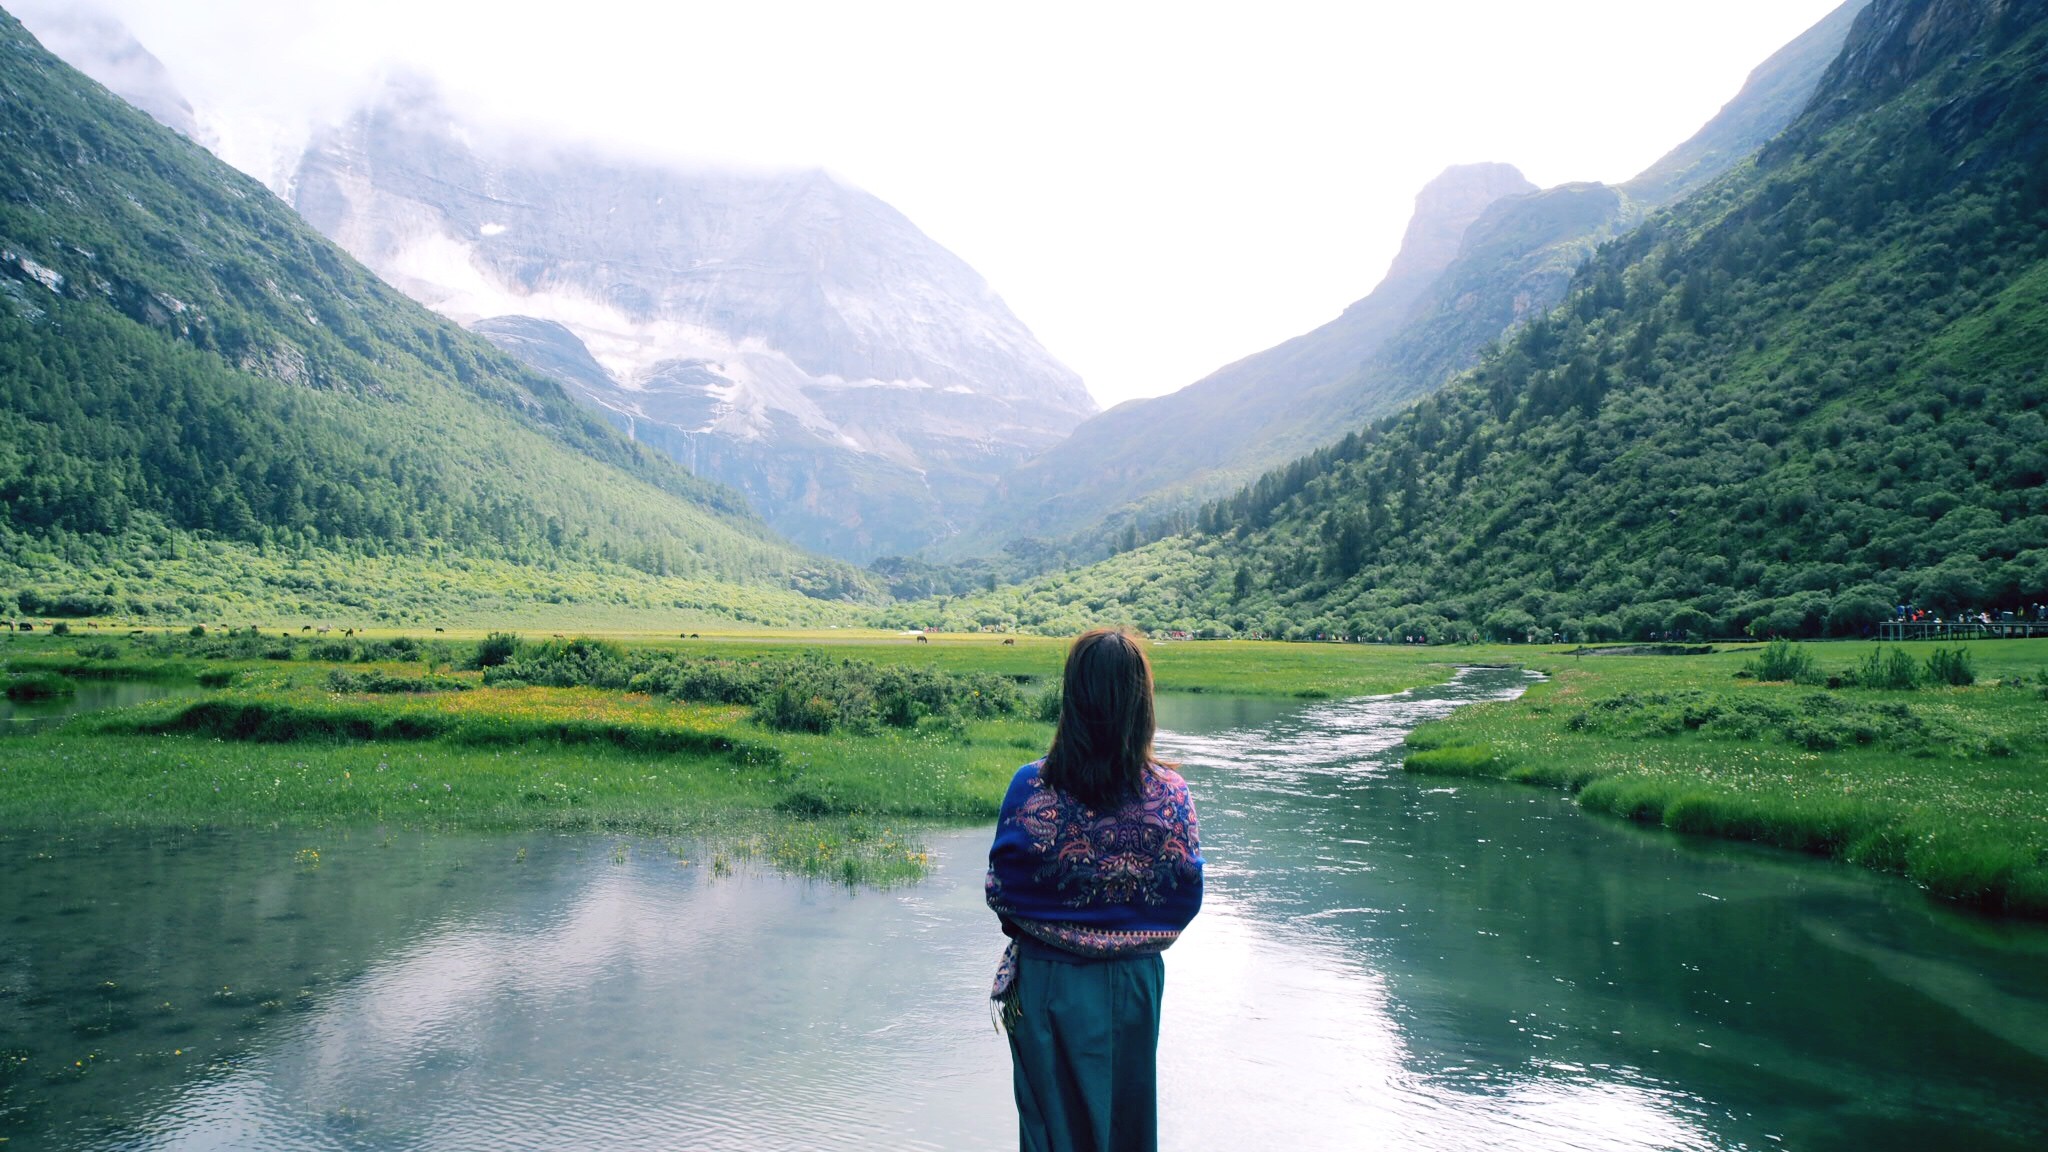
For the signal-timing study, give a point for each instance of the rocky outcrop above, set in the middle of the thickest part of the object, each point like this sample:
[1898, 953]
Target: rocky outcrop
[790, 335]
[1895, 42]
[1444, 209]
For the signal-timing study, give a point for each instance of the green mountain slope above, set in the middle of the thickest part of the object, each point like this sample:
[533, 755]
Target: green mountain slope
[184, 362]
[1145, 458]
[1809, 393]
[1139, 470]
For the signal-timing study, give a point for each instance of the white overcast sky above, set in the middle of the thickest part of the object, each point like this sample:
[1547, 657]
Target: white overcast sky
[1156, 189]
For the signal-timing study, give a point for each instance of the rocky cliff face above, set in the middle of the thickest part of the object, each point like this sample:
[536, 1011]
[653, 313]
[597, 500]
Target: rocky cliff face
[1444, 209]
[1894, 42]
[785, 333]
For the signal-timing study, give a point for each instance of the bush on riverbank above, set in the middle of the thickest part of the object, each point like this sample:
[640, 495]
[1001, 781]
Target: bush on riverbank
[804, 692]
[39, 686]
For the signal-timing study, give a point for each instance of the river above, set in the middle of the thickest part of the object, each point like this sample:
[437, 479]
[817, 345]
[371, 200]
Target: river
[1383, 961]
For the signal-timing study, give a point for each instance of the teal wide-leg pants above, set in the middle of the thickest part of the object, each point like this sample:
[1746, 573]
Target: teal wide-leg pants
[1084, 1050]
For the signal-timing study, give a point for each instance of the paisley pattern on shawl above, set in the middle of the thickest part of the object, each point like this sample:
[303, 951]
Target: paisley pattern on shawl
[1098, 884]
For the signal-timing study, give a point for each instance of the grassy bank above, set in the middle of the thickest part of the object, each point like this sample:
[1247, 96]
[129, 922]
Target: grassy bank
[530, 759]
[1234, 667]
[818, 751]
[1231, 667]
[1943, 784]
[815, 765]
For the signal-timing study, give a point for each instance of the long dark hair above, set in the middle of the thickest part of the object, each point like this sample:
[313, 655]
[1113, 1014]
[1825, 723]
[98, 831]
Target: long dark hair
[1103, 745]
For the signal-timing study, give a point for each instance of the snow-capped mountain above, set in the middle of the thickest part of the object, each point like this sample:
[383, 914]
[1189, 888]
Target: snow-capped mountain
[785, 333]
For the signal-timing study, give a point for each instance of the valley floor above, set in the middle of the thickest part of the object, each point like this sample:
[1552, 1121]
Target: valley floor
[290, 727]
[1947, 785]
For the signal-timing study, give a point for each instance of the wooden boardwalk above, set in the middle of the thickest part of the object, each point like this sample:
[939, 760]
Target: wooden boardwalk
[1961, 630]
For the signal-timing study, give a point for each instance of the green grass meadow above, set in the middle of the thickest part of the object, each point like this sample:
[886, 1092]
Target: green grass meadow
[1944, 785]
[272, 742]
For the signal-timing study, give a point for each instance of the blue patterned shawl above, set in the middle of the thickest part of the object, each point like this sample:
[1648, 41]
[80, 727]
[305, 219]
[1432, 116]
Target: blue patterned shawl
[1097, 884]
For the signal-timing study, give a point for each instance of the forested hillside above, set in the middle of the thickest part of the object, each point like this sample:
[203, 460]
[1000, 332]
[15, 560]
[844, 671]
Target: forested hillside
[1808, 393]
[184, 363]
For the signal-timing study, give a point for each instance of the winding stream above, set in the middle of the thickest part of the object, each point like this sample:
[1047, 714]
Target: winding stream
[1384, 961]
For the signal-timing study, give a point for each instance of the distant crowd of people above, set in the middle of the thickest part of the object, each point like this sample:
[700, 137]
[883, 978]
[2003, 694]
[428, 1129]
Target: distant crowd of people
[2026, 614]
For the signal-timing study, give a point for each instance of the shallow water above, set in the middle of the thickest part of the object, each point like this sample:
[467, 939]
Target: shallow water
[90, 696]
[1383, 961]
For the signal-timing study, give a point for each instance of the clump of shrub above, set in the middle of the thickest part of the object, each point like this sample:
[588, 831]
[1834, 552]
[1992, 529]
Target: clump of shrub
[1817, 721]
[1784, 660]
[1886, 668]
[1891, 668]
[1950, 666]
[495, 649]
[1047, 706]
[791, 709]
[807, 692]
[60, 628]
[373, 681]
[39, 686]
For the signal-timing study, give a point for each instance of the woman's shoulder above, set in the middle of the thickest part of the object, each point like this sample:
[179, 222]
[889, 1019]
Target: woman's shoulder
[1166, 779]
[1023, 783]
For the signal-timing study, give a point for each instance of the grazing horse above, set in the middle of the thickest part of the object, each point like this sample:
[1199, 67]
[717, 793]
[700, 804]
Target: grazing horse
[923, 639]
[1009, 643]
[440, 629]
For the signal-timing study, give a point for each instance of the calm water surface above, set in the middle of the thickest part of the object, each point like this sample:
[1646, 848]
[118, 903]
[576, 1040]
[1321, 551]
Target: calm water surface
[90, 696]
[1383, 962]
